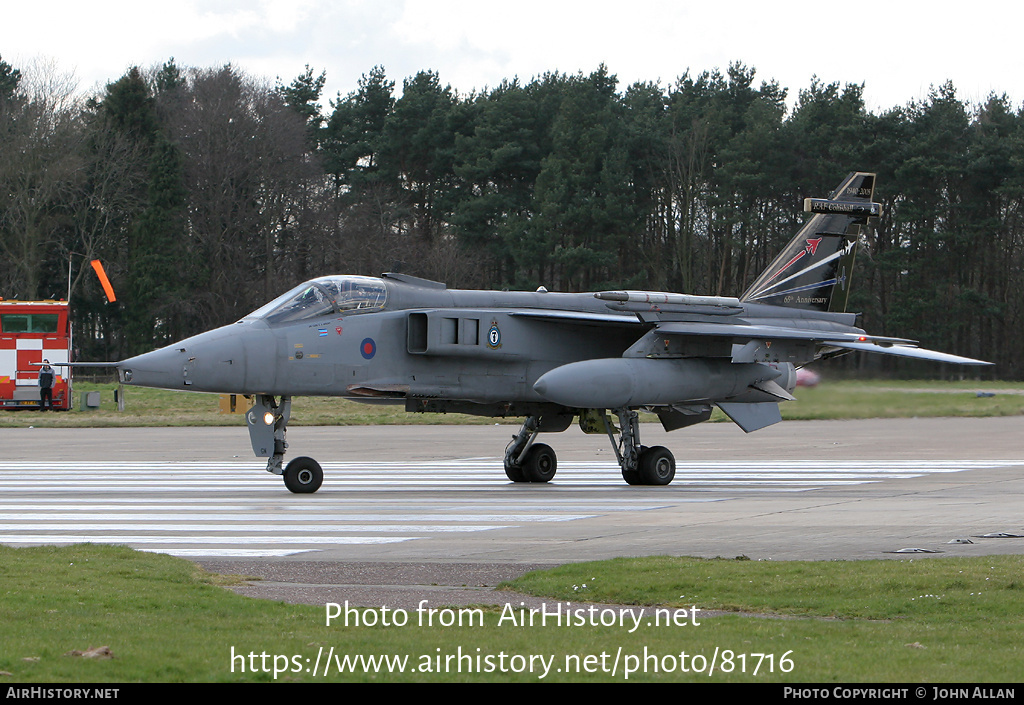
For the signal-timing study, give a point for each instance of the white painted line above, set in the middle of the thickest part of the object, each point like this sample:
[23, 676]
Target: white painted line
[226, 540]
[229, 552]
[276, 517]
[319, 529]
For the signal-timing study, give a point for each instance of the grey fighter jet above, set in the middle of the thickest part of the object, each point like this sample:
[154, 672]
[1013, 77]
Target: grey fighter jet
[550, 357]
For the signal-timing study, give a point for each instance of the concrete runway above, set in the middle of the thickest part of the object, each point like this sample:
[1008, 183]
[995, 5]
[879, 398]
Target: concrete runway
[413, 511]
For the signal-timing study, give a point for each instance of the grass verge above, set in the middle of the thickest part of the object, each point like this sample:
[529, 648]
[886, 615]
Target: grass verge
[164, 620]
[830, 400]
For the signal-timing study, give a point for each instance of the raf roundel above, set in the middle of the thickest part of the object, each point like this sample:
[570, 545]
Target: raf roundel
[368, 348]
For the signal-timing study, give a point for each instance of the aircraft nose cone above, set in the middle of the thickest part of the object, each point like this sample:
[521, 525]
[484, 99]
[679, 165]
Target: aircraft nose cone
[210, 362]
[161, 368]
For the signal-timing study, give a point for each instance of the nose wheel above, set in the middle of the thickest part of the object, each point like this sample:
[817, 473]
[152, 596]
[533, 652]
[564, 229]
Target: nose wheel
[303, 475]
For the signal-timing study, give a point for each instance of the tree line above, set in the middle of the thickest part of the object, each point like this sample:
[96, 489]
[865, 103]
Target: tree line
[206, 192]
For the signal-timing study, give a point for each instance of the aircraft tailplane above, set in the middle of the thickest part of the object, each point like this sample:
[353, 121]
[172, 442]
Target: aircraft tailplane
[814, 270]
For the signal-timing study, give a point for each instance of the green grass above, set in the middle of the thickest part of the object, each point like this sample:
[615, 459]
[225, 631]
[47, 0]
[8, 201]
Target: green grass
[829, 400]
[161, 407]
[895, 399]
[922, 620]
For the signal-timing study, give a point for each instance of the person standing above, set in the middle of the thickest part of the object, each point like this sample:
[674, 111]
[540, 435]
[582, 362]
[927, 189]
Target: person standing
[47, 377]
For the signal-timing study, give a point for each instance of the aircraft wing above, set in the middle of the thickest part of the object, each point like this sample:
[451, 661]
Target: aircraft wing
[911, 351]
[846, 340]
[745, 332]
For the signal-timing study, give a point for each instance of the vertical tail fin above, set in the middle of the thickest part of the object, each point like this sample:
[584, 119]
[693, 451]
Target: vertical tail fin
[814, 270]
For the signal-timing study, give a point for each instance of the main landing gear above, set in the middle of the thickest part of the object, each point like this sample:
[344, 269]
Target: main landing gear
[268, 422]
[640, 465]
[527, 461]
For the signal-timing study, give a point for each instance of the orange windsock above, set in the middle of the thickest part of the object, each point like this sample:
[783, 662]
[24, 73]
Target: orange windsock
[107, 289]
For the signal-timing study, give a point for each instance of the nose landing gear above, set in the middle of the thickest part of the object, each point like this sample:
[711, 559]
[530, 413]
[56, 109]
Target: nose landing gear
[268, 423]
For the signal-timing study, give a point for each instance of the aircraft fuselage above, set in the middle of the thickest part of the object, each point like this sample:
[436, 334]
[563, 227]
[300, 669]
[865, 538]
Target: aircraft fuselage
[484, 348]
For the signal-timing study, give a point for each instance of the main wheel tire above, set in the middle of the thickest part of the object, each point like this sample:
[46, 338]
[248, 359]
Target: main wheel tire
[303, 475]
[657, 466]
[514, 473]
[632, 477]
[539, 463]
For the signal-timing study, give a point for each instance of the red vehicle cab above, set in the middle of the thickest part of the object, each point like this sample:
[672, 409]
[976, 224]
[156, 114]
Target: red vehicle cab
[31, 331]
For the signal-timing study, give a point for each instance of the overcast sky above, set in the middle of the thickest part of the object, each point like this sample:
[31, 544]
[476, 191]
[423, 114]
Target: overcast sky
[898, 49]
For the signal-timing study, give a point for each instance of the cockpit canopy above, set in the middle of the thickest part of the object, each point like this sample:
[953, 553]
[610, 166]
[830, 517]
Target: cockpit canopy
[325, 296]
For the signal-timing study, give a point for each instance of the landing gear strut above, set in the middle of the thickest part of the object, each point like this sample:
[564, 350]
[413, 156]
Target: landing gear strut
[526, 461]
[640, 465]
[268, 424]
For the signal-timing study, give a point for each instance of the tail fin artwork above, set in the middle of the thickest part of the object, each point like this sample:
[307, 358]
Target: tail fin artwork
[814, 270]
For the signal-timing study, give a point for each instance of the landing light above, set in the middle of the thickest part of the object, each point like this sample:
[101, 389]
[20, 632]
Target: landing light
[268, 418]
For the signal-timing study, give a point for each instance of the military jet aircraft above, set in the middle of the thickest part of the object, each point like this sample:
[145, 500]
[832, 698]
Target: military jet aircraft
[551, 357]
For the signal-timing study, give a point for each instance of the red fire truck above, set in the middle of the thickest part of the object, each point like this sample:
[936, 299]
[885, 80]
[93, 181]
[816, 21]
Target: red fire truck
[31, 331]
